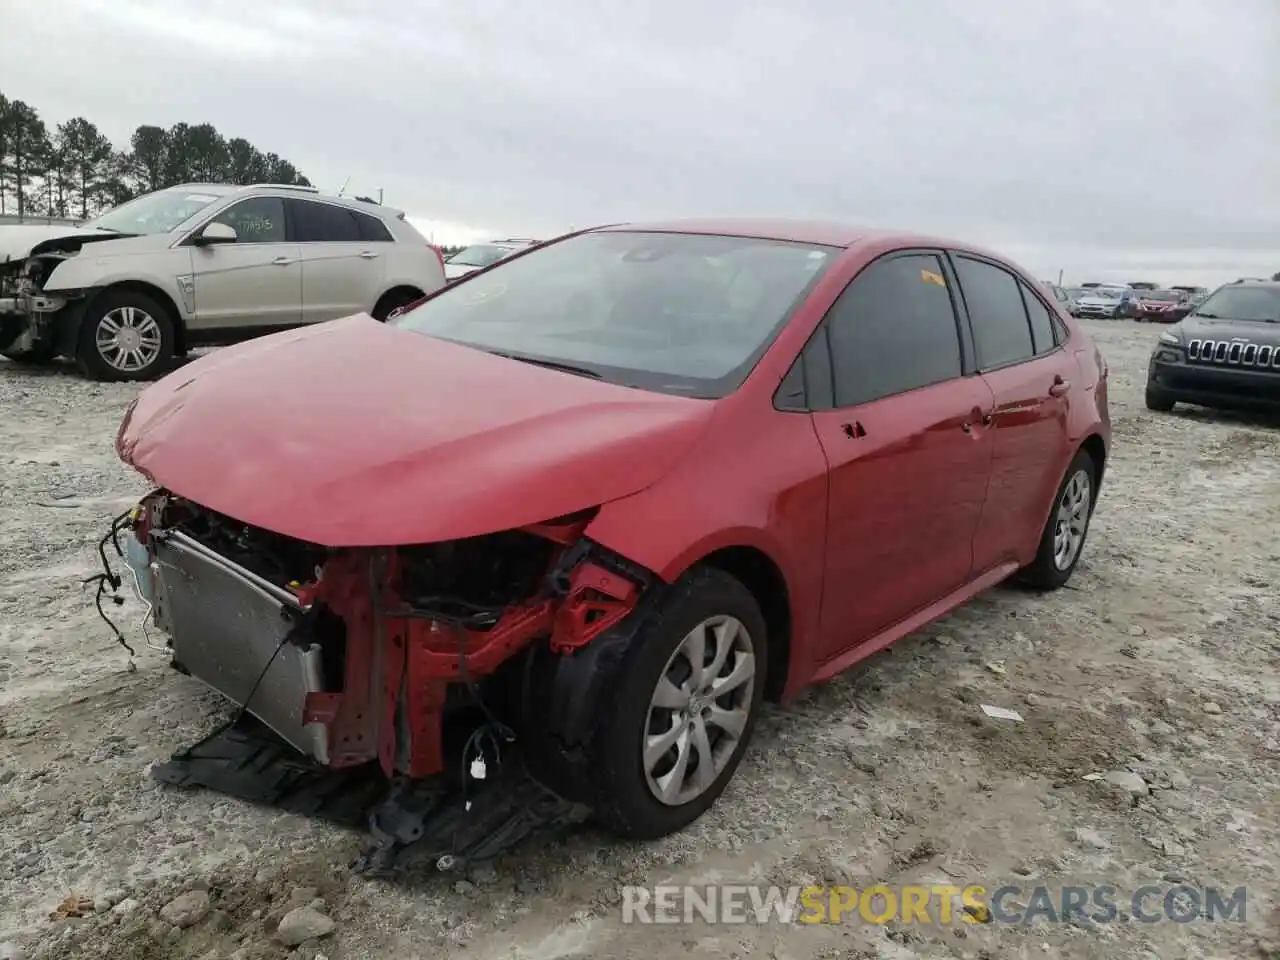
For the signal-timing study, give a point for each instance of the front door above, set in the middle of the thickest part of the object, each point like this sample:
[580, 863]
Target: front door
[1019, 351]
[254, 282]
[906, 446]
[341, 272]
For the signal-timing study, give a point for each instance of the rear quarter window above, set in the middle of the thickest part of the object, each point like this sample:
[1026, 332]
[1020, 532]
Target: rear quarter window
[1042, 331]
[372, 229]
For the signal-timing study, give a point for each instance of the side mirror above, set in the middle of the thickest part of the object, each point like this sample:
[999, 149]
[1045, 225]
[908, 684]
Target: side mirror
[215, 232]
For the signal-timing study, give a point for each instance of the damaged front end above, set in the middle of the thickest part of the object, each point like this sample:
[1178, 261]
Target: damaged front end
[28, 315]
[384, 685]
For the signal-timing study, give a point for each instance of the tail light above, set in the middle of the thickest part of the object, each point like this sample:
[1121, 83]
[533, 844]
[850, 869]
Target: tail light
[439, 255]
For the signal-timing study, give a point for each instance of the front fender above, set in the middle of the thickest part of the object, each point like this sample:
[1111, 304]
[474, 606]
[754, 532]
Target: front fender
[762, 486]
[87, 272]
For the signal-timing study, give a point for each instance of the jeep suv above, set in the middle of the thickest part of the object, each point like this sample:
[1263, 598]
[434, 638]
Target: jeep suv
[202, 264]
[1224, 354]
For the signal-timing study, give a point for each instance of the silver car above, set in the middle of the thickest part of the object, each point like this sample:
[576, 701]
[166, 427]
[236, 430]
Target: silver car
[202, 264]
[480, 255]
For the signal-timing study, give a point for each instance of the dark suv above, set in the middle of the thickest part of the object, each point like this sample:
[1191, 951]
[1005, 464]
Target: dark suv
[1226, 353]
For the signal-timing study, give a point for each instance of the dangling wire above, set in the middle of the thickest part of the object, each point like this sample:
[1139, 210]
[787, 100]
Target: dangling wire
[110, 579]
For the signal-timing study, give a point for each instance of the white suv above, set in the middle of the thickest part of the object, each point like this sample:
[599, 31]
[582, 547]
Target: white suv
[202, 264]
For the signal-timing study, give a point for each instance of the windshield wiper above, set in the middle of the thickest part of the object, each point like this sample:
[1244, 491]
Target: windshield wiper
[1209, 316]
[552, 365]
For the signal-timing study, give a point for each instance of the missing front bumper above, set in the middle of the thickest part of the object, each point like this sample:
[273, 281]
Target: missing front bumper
[240, 635]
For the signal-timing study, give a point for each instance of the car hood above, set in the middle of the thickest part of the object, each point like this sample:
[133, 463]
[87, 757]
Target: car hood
[355, 433]
[19, 241]
[1098, 301]
[1202, 328]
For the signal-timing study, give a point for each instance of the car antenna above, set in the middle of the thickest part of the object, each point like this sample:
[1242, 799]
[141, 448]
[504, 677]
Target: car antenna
[343, 189]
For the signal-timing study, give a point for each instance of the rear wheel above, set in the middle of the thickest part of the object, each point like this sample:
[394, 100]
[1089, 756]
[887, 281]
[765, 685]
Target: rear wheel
[1062, 541]
[393, 301]
[681, 704]
[1157, 399]
[125, 335]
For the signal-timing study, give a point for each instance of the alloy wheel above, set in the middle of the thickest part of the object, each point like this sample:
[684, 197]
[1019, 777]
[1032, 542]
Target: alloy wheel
[128, 339]
[699, 709]
[1072, 520]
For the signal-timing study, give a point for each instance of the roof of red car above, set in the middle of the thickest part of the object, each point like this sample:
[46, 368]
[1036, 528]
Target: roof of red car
[827, 232]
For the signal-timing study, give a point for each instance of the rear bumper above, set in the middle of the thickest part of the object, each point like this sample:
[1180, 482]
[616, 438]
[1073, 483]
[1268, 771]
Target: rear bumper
[1213, 386]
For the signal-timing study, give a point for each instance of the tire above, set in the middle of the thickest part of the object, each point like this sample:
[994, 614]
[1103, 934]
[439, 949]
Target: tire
[38, 356]
[1158, 400]
[154, 333]
[393, 301]
[1053, 566]
[623, 800]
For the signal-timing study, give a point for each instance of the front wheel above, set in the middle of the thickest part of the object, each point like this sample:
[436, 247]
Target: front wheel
[1158, 400]
[683, 700]
[125, 335]
[1062, 541]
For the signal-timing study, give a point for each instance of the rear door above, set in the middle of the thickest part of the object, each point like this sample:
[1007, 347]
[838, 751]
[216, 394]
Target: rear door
[341, 270]
[904, 441]
[1020, 354]
[254, 282]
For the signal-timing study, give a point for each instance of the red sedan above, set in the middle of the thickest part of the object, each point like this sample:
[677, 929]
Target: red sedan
[605, 498]
[1162, 306]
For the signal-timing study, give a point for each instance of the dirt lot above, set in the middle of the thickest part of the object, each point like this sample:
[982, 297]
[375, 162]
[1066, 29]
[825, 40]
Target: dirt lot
[1161, 660]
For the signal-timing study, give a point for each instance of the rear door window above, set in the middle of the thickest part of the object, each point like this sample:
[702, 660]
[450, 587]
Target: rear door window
[893, 329]
[997, 314]
[1042, 336]
[323, 223]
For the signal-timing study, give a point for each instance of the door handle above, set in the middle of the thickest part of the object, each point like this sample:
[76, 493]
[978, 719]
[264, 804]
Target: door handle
[979, 416]
[1059, 387]
[368, 254]
[853, 430]
[284, 261]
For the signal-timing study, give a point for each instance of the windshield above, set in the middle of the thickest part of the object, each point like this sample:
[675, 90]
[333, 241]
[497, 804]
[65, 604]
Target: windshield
[675, 313]
[1164, 296]
[1260, 304]
[158, 212]
[480, 255]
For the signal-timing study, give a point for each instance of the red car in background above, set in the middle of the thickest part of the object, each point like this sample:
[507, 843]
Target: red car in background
[1162, 306]
[608, 496]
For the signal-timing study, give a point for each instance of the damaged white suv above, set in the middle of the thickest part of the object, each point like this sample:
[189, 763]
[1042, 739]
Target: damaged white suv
[202, 264]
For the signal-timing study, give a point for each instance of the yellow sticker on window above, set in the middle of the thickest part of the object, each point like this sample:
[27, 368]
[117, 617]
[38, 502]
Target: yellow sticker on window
[928, 276]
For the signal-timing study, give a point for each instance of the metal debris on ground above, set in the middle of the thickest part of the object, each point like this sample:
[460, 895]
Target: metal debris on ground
[1001, 713]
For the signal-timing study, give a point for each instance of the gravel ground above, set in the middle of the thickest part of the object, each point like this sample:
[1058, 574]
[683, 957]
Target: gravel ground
[1160, 660]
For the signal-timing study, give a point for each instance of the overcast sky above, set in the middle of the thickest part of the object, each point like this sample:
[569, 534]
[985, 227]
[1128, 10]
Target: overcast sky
[1112, 139]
